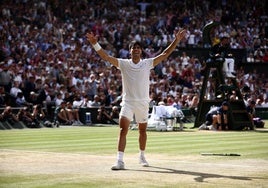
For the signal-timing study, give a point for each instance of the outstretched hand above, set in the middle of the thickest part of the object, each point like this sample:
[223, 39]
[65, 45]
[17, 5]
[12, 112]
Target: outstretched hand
[181, 34]
[92, 38]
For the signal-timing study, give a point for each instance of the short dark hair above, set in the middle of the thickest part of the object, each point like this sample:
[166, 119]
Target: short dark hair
[223, 38]
[225, 103]
[133, 43]
[253, 102]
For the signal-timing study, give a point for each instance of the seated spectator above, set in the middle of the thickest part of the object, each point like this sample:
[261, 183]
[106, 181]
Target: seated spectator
[250, 58]
[85, 103]
[96, 102]
[5, 98]
[20, 100]
[61, 114]
[44, 96]
[193, 105]
[188, 73]
[258, 103]
[176, 104]
[9, 116]
[258, 55]
[217, 118]
[15, 89]
[256, 121]
[78, 102]
[73, 114]
[2, 96]
[58, 99]
[265, 57]
[265, 103]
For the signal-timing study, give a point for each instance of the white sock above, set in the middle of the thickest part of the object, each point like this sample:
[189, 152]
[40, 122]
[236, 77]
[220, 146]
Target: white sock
[120, 156]
[142, 153]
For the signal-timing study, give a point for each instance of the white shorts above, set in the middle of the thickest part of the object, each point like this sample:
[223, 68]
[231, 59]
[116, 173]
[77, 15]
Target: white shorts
[138, 108]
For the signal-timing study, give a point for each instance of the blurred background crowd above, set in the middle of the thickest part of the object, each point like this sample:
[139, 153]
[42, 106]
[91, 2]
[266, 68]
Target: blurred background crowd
[47, 58]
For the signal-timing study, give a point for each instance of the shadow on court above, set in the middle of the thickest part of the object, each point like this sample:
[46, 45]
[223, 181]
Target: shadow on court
[199, 176]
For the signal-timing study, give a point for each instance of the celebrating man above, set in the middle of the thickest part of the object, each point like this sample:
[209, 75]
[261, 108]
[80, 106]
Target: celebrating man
[135, 77]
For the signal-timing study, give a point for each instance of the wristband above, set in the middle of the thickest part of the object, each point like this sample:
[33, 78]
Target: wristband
[97, 46]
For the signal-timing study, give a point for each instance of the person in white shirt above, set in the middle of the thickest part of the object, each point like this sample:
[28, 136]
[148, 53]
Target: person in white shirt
[58, 99]
[15, 89]
[135, 95]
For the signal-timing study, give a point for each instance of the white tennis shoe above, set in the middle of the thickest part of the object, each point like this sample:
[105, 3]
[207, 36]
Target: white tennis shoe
[143, 161]
[119, 165]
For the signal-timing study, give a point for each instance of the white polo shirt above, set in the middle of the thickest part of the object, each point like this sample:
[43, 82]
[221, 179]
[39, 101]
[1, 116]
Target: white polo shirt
[136, 79]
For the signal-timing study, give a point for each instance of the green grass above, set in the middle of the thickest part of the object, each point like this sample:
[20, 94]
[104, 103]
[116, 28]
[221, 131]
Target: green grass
[103, 140]
[85, 139]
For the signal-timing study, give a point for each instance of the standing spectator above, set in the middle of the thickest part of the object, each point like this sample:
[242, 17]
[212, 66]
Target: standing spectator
[5, 76]
[29, 86]
[118, 39]
[93, 83]
[184, 59]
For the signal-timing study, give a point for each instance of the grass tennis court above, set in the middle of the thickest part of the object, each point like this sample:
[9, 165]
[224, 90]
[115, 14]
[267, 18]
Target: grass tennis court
[82, 157]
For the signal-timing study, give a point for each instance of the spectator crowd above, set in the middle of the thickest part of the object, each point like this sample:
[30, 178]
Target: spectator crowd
[47, 60]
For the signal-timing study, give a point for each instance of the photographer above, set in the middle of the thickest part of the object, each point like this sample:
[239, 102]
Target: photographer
[26, 117]
[8, 116]
[104, 117]
[217, 118]
[39, 115]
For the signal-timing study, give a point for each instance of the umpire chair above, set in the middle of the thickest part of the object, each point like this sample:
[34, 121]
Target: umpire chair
[238, 117]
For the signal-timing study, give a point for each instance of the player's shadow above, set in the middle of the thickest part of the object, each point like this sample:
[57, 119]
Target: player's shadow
[200, 177]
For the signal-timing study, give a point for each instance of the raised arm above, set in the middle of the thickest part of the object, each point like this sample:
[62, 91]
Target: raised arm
[164, 55]
[94, 42]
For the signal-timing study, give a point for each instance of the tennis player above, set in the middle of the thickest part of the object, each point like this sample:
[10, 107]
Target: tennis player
[135, 77]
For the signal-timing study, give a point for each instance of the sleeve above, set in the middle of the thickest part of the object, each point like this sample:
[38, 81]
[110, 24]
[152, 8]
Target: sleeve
[249, 110]
[121, 63]
[219, 111]
[150, 62]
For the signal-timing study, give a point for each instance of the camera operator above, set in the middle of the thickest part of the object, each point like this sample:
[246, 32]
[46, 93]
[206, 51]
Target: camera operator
[104, 117]
[9, 116]
[217, 118]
